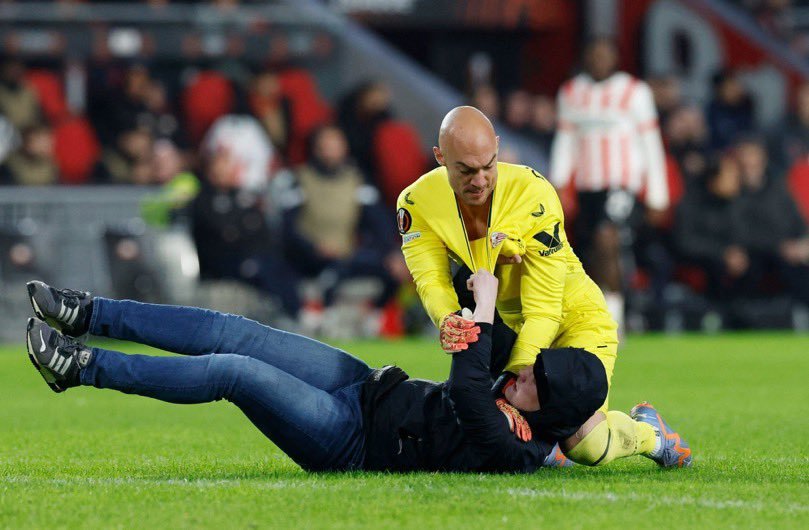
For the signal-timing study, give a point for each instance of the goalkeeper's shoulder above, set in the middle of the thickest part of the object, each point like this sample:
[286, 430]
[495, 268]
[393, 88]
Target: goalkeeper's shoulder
[525, 178]
[425, 191]
[524, 185]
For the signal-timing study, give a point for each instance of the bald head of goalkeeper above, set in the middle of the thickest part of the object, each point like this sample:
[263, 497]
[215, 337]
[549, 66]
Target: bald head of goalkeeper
[467, 147]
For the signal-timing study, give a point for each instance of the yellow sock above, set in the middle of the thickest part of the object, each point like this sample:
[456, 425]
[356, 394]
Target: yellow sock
[618, 436]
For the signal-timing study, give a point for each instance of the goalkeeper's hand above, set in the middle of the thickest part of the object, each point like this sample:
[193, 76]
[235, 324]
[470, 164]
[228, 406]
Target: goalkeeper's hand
[518, 425]
[457, 332]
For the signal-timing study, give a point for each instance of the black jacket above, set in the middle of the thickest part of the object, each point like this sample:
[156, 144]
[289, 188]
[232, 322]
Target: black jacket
[770, 217]
[706, 225]
[413, 424]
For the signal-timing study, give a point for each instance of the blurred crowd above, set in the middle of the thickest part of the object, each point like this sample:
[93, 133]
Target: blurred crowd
[281, 187]
[736, 228]
[276, 185]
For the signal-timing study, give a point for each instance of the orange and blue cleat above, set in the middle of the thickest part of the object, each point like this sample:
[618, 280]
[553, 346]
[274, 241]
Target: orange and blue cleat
[672, 450]
[557, 458]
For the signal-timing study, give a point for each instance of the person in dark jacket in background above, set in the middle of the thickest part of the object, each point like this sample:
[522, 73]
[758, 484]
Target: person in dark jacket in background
[730, 110]
[324, 408]
[232, 237]
[708, 229]
[775, 235]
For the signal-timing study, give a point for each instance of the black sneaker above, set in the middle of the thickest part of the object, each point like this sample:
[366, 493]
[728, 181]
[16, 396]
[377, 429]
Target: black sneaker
[58, 358]
[65, 309]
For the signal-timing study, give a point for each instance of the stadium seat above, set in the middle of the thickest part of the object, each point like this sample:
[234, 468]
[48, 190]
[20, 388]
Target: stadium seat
[798, 182]
[76, 148]
[308, 110]
[207, 97]
[394, 173]
[50, 93]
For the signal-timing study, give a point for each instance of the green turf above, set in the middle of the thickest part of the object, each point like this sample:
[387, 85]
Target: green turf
[98, 459]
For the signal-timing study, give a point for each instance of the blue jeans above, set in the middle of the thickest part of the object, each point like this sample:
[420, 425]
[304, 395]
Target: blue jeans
[302, 394]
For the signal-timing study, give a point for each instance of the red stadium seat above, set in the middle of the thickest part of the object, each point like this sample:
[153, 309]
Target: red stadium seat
[207, 97]
[398, 158]
[50, 94]
[76, 149]
[798, 182]
[692, 276]
[308, 111]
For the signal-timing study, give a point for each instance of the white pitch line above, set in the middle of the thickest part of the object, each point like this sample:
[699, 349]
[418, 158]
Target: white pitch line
[314, 484]
[610, 497]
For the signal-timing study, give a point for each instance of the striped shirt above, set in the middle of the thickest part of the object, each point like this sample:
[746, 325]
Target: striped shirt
[608, 138]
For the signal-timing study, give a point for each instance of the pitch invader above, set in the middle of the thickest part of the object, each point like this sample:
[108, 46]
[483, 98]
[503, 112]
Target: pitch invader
[508, 220]
[608, 141]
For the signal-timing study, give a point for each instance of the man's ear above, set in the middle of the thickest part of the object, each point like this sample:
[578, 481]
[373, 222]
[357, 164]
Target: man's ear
[439, 157]
[497, 144]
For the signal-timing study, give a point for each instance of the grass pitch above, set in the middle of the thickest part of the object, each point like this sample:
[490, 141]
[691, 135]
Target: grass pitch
[99, 459]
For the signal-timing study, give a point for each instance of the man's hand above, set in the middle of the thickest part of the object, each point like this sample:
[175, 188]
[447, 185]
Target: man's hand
[516, 422]
[655, 217]
[457, 332]
[736, 261]
[795, 251]
[483, 285]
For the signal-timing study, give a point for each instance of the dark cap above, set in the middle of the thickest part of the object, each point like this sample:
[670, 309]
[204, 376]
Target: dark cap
[571, 385]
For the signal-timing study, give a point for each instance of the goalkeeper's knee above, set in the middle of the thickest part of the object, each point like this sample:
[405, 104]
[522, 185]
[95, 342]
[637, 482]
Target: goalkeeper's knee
[615, 436]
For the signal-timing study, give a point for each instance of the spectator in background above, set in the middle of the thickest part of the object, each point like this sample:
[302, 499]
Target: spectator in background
[486, 99]
[18, 102]
[775, 234]
[730, 111]
[128, 161]
[179, 185]
[334, 224]
[518, 112]
[158, 116]
[667, 94]
[361, 112]
[247, 144]
[708, 229]
[120, 108]
[231, 234]
[686, 135]
[270, 107]
[34, 164]
[790, 140]
[543, 124]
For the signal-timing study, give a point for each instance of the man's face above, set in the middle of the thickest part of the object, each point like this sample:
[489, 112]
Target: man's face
[40, 144]
[331, 148]
[523, 392]
[472, 169]
[752, 159]
[601, 59]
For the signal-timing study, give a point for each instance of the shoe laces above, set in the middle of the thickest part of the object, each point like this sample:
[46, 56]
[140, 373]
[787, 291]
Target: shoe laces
[70, 347]
[72, 296]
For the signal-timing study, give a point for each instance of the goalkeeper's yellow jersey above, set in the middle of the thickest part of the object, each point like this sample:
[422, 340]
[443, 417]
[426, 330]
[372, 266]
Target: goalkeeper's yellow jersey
[548, 299]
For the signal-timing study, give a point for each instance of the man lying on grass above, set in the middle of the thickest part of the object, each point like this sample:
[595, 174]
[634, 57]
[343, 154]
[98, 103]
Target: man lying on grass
[324, 408]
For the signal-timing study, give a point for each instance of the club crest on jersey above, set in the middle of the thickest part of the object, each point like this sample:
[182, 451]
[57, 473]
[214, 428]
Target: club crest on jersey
[404, 220]
[497, 238]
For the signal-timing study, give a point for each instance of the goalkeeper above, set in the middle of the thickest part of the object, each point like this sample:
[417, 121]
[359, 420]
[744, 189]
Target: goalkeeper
[507, 219]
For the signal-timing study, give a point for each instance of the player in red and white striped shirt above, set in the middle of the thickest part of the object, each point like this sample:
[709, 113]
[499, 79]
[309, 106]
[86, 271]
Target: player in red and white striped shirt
[608, 141]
